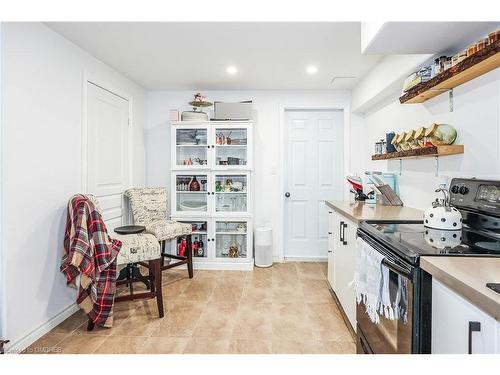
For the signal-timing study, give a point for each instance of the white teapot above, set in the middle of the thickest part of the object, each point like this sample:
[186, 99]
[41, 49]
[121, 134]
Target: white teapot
[442, 215]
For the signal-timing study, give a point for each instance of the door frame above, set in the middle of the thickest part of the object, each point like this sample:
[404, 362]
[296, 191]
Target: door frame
[346, 164]
[88, 77]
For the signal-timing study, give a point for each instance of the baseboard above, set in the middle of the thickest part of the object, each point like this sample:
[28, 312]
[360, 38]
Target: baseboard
[23, 343]
[306, 259]
[244, 266]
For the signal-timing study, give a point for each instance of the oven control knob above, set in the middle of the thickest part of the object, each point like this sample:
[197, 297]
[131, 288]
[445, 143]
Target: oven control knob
[454, 189]
[463, 190]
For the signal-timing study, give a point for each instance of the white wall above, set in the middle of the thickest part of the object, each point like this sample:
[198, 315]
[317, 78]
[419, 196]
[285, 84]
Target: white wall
[476, 117]
[268, 174]
[41, 165]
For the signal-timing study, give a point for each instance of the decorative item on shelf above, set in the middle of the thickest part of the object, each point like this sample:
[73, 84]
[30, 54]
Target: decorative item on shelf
[412, 142]
[233, 161]
[228, 186]
[389, 137]
[405, 146]
[481, 44]
[378, 148]
[200, 249]
[398, 139]
[494, 37]
[174, 115]
[237, 186]
[194, 185]
[181, 248]
[472, 49]
[234, 250]
[197, 114]
[218, 186]
[419, 137]
[440, 134]
[241, 227]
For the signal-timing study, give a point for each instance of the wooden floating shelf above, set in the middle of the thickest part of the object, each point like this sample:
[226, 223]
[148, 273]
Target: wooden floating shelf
[433, 151]
[471, 67]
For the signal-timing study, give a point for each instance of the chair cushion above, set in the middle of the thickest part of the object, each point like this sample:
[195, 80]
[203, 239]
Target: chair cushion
[168, 229]
[137, 248]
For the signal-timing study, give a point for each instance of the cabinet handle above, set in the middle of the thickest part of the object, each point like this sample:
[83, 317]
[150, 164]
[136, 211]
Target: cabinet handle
[213, 146]
[344, 242]
[329, 232]
[208, 146]
[340, 231]
[473, 327]
[208, 239]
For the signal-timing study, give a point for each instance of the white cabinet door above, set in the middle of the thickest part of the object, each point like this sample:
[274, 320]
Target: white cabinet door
[191, 194]
[232, 145]
[231, 193]
[451, 315]
[344, 268]
[232, 239]
[191, 147]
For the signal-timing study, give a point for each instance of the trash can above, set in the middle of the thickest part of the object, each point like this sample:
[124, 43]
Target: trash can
[263, 247]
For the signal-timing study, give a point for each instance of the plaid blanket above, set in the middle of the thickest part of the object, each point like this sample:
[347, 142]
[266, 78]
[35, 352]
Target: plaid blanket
[91, 253]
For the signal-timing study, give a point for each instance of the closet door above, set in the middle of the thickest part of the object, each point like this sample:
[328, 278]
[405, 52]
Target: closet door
[108, 152]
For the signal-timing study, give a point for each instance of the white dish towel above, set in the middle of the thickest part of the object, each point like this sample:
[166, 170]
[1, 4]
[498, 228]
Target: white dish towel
[372, 282]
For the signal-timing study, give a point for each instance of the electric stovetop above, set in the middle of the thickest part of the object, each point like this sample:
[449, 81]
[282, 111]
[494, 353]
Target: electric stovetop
[411, 240]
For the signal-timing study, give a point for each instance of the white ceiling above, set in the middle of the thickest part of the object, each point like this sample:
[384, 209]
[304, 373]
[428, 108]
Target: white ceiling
[194, 56]
[425, 37]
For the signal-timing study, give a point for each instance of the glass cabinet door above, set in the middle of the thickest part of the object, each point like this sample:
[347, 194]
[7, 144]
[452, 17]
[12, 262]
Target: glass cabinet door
[199, 239]
[231, 147]
[231, 239]
[191, 148]
[191, 193]
[231, 193]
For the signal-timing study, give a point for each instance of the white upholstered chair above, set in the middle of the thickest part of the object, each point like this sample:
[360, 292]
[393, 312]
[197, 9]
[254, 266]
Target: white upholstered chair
[149, 208]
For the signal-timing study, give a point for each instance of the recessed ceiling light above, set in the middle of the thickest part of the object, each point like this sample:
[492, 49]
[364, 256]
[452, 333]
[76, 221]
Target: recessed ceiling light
[312, 69]
[232, 70]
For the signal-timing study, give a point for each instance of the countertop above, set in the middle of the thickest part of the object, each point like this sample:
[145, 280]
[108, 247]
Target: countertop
[468, 276]
[359, 211]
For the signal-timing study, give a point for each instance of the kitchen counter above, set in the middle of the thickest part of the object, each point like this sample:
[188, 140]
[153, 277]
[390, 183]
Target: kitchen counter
[359, 211]
[468, 276]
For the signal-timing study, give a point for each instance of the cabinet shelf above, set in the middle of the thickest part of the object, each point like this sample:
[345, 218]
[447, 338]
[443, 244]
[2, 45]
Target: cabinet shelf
[433, 151]
[471, 67]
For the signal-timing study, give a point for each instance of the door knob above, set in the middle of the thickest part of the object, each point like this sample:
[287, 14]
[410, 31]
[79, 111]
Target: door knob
[287, 194]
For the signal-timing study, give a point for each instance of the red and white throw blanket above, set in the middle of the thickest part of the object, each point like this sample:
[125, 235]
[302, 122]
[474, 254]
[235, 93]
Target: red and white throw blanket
[91, 253]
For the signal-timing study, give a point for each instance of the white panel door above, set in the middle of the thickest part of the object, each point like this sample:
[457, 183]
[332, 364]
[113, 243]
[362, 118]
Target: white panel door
[108, 153]
[314, 173]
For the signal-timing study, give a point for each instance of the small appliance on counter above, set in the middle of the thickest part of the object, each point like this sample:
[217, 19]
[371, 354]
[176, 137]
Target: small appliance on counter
[384, 188]
[401, 244]
[357, 187]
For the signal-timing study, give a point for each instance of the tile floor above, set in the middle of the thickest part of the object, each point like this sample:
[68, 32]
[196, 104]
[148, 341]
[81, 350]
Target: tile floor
[286, 309]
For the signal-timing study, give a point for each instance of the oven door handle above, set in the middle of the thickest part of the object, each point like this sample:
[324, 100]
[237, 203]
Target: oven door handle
[397, 268]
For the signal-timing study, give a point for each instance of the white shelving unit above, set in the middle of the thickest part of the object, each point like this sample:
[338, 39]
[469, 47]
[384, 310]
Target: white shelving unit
[215, 156]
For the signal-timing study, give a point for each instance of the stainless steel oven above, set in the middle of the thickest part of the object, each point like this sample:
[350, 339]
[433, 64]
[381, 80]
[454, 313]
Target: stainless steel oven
[410, 332]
